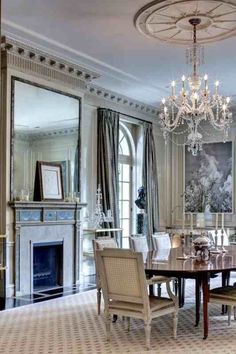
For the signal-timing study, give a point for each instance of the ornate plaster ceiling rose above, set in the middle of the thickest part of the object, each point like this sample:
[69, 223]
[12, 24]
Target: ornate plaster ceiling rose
[168, 20]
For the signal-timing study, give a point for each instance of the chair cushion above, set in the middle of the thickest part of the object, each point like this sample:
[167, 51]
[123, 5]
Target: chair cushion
[157, 279]
[156, 303]
[227, 293]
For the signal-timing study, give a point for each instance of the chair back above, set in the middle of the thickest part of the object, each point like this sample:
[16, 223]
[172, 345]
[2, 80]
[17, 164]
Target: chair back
[138, 243]
[122, 276]
[100, 244]
[104, 242]
[161, 241]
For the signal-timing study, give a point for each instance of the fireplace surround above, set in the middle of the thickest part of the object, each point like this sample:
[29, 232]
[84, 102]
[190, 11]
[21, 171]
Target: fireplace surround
[44, 225]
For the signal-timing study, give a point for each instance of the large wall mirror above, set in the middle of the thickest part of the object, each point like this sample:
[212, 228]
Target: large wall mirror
[45, 127]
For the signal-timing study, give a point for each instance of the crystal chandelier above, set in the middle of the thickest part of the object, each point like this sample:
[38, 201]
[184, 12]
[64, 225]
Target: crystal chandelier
[183, 113]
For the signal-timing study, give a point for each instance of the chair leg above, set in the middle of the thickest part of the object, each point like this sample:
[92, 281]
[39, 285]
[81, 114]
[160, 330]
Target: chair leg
[235, 312]
[128, 324]
[175, 323]
[159, 290]
[175, 286]
[181, 289]
[229, 314]
[148, 334]
[108, 326]
[99, 296]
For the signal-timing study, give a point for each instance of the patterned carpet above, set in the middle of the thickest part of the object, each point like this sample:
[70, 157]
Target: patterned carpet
[70, 325]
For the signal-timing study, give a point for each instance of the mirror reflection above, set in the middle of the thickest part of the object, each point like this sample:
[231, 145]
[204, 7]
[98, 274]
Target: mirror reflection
[45, 127]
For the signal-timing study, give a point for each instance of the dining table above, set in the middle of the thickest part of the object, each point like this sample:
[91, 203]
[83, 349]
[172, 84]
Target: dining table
[181, 263]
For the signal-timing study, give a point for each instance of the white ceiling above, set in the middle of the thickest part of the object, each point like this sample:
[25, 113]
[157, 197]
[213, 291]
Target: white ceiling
[100, 34]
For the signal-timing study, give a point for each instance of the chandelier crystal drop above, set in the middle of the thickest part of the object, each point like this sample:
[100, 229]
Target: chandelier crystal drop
[184, 112]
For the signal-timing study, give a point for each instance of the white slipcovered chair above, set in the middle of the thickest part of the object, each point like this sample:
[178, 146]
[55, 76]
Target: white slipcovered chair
[139, 244]
[125, 293]
[100, 244]
[162, 244]
[161, 240]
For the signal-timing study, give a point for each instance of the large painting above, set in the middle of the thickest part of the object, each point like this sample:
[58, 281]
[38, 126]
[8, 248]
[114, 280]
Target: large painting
[209, 180]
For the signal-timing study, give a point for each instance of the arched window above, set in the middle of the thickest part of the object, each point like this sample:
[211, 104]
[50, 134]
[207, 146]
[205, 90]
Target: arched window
[126, 160]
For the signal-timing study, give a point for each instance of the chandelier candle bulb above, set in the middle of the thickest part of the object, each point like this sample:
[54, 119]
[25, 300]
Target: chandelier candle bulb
[206, 82]
[173, 88]
[217, 83]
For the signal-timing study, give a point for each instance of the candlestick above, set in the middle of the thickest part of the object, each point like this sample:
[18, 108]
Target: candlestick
[191, 222]
[222, 220]
[216, 221]
[183, 222]
[222, 241]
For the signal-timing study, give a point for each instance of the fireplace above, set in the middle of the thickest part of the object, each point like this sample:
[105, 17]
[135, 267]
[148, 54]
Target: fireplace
[47, 265]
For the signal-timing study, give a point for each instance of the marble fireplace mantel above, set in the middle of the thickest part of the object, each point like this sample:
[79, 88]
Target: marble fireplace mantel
[37, 222]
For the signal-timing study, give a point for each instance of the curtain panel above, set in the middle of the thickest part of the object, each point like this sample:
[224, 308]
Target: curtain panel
[107, 161]
[150, 182]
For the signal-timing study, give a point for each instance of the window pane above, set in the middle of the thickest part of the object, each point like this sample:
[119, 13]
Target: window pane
[126, 191]
[124, 147]
[125, 225]
[125, 213]
[126, 173]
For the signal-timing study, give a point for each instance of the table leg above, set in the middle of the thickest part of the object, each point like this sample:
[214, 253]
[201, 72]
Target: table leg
[197, 300]
[205, 290]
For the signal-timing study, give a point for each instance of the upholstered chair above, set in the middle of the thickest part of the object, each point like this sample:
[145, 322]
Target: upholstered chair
[100, 244]
[161, 240]
[161, 243]
[139, 244]
[124, 288]
[225, 296]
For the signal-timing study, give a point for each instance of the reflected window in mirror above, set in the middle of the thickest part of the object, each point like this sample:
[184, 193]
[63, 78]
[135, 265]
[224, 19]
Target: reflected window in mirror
[45, 127]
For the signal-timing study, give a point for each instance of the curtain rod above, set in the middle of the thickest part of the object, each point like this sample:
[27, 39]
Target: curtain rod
[126, 115]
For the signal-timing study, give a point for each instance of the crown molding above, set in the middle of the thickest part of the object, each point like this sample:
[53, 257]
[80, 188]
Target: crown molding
[45, 134]
[122, 100]
[29, 59]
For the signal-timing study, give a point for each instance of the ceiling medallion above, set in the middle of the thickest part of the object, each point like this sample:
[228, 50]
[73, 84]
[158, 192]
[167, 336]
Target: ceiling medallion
[183, 113]
[168, 20]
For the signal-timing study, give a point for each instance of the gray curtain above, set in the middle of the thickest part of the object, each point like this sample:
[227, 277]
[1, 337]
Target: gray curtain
[107, 160]
[150, 183]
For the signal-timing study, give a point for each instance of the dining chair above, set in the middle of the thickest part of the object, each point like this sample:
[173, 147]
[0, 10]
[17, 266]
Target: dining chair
[124, 288]
[161, 242]
[225, 296]
[100, 244]
[138, 243]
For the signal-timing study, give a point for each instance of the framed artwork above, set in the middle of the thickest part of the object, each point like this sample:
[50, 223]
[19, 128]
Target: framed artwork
[48, 183]
[66, 175]
[209, 179]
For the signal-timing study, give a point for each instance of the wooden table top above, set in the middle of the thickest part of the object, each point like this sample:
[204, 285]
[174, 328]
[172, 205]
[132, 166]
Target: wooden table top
[167, 262]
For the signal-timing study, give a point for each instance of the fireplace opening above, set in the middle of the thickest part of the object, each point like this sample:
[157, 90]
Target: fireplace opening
[47, 265]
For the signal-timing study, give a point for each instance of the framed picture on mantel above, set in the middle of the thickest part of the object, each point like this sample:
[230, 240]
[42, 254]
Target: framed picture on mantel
[209, 179]
[48, 185]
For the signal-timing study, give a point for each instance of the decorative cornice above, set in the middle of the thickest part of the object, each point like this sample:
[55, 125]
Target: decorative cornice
[54, 133]
[124, 101]
[25, 57]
